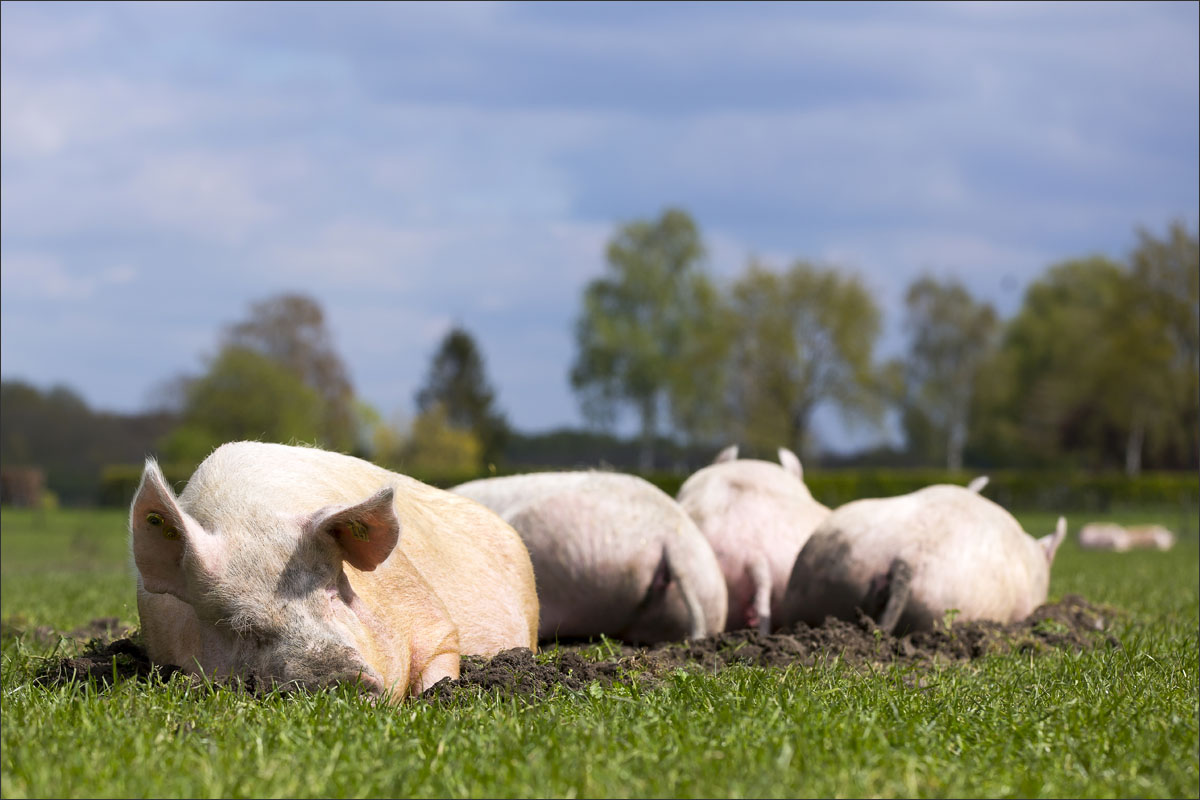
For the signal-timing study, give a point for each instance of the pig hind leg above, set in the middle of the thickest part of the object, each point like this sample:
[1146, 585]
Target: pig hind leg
[760, 575]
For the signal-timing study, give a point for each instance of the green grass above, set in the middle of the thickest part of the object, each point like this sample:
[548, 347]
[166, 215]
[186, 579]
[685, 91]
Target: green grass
[1107, 723]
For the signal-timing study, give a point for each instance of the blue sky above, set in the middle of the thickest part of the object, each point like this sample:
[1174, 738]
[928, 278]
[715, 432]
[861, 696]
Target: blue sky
[163, 165]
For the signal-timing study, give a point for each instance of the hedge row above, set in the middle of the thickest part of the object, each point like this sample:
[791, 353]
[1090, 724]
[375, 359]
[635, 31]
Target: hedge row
[1039, 489]
[1022, 489]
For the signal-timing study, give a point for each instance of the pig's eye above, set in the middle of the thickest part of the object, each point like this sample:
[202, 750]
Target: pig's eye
[154, 519]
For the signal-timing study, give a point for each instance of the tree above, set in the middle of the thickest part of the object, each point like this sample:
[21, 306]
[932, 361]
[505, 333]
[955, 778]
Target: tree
[1082, 375]
[801, 337]
[1040, 395]
[1165, 299]
[950, 336]
[290, 330]
[642, 336]
[457, 381]
[55, 430]
[435, 445]
[243, 395]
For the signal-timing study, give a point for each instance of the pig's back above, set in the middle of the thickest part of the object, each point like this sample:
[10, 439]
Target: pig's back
[473, 560]
[965, 552]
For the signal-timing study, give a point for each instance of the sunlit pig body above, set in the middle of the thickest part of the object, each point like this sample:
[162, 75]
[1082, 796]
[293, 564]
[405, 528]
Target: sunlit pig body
[910, 559]
[756, 515]
[1111, 536]
[612, 554]
[297, 565]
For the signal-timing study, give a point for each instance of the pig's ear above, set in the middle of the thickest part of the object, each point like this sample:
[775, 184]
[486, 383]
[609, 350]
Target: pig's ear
[977, 484]
[367, 532]
[791, 462]
[728, 454]
[161, 537]
[1051, 541]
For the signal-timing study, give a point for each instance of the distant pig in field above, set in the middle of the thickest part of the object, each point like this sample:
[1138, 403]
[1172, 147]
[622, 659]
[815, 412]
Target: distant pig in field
[756, 515]
[612, 554]
[297, 565]
[1110, 536]
[907, 560]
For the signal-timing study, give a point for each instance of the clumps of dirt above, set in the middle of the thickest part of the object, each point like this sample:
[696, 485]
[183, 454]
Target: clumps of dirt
[1070, 624]
[519, 672]
[104, 662]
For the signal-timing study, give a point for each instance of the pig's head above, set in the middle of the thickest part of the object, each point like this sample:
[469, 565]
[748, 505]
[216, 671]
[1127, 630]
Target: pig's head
[271, 591]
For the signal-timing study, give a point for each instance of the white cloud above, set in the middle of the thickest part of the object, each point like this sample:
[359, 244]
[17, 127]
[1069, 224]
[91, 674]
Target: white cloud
[36, 277]
[417, 166]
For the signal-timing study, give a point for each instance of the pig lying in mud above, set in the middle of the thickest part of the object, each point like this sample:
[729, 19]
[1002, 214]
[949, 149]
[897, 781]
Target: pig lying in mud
[907, 560]
[612, 554]
[297, 565]
[756, 515]
[1110, 536]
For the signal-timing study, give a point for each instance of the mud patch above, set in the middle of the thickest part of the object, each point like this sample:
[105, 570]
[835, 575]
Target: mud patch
[104, 662]
[519, 672]
[1071, 624]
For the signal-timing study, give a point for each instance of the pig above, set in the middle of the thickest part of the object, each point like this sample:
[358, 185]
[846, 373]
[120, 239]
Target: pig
[1110, 536]
[907, 560]
[299, 566]
[612, 554]
[756, 515]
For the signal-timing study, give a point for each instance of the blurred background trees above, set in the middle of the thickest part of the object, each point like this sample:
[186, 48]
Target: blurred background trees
[243, 395]
[457, 394]
[642, 336]
[801, 337]
[1098, 369]
[950, 336]
[275, 378]
[289, 330]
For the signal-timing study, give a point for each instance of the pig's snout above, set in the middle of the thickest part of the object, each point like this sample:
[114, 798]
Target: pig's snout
[329, 666]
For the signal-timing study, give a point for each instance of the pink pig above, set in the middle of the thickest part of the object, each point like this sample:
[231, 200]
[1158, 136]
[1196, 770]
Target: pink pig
[612, 554]
[298, 565]
[907, 560]
[756, 515]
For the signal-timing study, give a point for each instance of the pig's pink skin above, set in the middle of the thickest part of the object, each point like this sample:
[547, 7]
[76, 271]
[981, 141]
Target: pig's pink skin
[1118, 538]
[256, 569]
[612, 554]
[756, 515]
[965, 553]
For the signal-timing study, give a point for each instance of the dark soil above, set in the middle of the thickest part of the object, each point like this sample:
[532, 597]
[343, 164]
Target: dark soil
[1071, 624]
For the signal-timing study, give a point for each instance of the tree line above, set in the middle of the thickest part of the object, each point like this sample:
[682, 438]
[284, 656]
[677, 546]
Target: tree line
[1098, 369]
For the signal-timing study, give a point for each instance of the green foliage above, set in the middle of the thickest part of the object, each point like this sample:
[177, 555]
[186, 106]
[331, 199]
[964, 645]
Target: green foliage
[646, 330]
[243, 396]
[56, 431]
[436, 446]
[458, 383]
[1100, 366]
[1033, 489]
[119, 482]
[801, 337]
[289, 329]
[1109, 722]
[1054, 492]
[950, 336]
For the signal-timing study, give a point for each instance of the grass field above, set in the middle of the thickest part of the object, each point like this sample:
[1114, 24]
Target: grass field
[1118, 722]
